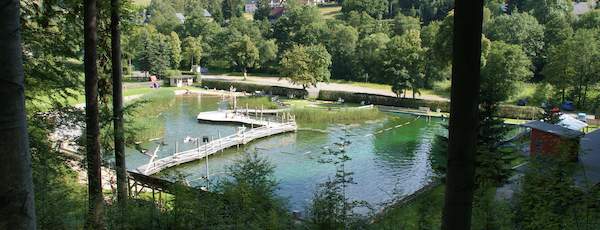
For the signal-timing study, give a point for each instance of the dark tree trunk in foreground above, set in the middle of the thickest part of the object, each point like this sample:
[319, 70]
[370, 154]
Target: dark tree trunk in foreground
[17, 209]
[92, 127]
[119, 135]
[463, 114]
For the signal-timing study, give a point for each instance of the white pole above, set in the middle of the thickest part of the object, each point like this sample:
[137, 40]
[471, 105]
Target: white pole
[220, 141]
[207, 173]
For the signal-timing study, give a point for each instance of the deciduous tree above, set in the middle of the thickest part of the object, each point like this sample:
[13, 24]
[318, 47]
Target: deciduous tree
[369, 53]
[268, 53]
[163, 16]
[306, 65]
[375, 8]
[404, 63]
[341, 44]
[192, 50]
[232, 9]
[175, 50]
[243, 54]
[403, 24]
[521, 29]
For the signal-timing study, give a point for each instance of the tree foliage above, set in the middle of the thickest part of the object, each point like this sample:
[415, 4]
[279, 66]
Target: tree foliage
[403, 24]
[369, 53]
[365, 24]
[154, 55]
[574, 64]
[243, 53]
[232, 9]
[163, 16]
[341, 44]
[299, 26]
[306, 65]
[175, 50]
[589, 20]
[192, 51]
[520, 29]
[404, 63]
[506, 65]
[375, 8]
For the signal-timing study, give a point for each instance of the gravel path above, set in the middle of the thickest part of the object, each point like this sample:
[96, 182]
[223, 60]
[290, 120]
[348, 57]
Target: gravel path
[314, 91]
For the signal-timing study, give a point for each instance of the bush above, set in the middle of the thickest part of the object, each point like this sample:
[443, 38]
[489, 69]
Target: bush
[328, 95]
[249, 87]
[131, 78]
[506, 111]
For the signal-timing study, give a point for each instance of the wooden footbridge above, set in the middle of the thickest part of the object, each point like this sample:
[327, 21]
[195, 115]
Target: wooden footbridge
[265, 127]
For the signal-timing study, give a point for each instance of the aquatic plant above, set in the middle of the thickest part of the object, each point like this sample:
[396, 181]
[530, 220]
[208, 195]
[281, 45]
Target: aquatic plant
[340, 116]
[146, 120]
[255, 103]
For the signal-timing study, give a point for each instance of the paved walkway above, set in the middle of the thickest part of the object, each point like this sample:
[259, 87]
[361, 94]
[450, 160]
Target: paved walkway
[314, 91]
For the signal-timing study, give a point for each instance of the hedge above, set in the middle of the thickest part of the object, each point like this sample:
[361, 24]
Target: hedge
[330, 95]
[250, 87]
[506, 111]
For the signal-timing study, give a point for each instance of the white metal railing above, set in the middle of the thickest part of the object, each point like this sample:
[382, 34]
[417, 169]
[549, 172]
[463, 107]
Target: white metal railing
[216, 145]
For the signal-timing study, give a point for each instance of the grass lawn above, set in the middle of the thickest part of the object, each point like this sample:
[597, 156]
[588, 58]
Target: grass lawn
[240, 74]
[141, 2]
[364, 84]
[424, 212]
[330, 12]
[248, 16]
[535, 93]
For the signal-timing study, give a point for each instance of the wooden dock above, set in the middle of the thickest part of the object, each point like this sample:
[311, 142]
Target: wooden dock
[266, 128]
[243, 116]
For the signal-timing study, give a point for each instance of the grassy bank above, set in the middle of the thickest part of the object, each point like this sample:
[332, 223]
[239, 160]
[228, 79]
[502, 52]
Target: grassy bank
[424, 212]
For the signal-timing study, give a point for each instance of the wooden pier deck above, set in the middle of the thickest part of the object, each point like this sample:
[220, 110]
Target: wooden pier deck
[241, 116]
[266, 128]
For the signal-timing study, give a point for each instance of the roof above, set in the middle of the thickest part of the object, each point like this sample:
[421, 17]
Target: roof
[590, 156]
[277, 12]
[580, 8]
[205, 13]
[180, 16]
[553, 129]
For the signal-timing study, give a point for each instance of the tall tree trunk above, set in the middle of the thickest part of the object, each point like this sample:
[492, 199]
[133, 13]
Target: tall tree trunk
[17, 209]
[119, 132]
[468, 16]
[92, 128]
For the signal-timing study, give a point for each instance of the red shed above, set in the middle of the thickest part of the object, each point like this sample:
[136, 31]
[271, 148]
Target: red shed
[549, 139]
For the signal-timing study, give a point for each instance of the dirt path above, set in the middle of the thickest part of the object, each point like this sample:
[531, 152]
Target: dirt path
[314, 91]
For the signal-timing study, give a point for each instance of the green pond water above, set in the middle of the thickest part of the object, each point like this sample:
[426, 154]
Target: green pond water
[386, 161]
